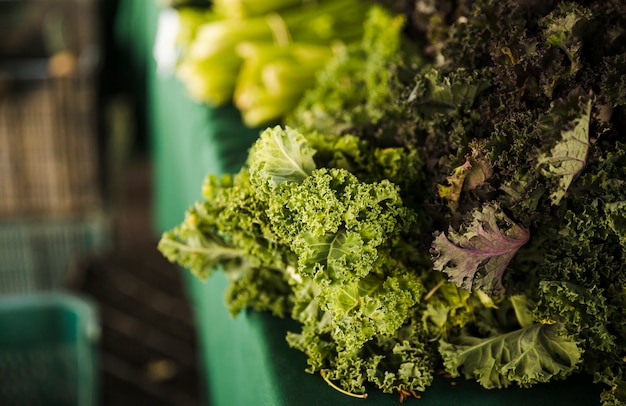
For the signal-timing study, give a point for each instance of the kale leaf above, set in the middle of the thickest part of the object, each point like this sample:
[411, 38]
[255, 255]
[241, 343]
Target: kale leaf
[476, 257]
[537, 353]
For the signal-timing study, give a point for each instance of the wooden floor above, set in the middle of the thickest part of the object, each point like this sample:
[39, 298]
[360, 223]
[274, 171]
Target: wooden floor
[148, 345]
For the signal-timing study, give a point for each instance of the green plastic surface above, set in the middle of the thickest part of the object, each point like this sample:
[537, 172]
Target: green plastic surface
[48, 350]
[246, 360]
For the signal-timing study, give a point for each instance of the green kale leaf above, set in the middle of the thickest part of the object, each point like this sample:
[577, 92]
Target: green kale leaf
[196, 250]
[614, 79]
[583, 311]
[334, 222]
[537, 353]
[435, 93]
[279, 155]
[568, 156]
[616, 219]
[357, 88]
[563, 30]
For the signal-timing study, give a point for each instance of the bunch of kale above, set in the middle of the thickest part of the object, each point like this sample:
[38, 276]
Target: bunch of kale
[454, 197]
[524, 116]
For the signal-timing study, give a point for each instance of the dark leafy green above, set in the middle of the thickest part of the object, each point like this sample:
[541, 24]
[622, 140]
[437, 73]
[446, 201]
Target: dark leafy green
[454, 198]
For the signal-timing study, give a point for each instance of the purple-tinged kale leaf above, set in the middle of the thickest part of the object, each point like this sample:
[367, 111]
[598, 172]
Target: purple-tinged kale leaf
[475, 257]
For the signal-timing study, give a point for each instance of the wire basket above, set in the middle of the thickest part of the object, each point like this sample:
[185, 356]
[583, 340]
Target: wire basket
[48, 350]
[48, 151]
[39, 255]
[49, 161]
[36, 28]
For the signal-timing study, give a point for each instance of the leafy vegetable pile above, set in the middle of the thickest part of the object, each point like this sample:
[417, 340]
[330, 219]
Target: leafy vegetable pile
[452, 198]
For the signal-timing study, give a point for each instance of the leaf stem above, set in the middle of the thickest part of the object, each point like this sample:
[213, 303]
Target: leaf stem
[201, 250]
[433, 290]
[338, 389]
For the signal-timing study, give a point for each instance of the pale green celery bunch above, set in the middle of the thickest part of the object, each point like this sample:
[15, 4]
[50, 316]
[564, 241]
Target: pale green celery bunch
[263, 59]
[252, 8]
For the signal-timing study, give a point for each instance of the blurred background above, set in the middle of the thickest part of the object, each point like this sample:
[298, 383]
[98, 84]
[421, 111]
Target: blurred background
[90, 312]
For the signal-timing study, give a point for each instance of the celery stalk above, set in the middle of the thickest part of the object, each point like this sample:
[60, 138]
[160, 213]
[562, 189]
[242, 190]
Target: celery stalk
[264, 56]
[250, 8]
[211, 80]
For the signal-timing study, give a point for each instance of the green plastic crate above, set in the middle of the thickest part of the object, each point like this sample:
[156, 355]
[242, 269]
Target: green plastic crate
[48, 350]
[37, 254]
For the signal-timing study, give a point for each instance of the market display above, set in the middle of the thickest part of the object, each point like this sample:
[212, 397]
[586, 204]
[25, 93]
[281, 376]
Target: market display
[450, 196]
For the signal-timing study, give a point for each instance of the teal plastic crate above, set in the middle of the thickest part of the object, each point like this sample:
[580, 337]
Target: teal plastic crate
[37, 254]
[48, 350]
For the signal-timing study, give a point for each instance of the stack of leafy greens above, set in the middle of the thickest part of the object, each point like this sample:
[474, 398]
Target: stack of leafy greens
[262, 55]
[451, 196]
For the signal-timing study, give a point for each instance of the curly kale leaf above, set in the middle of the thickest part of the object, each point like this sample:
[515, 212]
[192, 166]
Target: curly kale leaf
[261, 289]
[195, 249]
[609, 368]
[616, 381]
[522, 187]
[476, 257]
[393, 362]
[349, 277]
[616, 219]
[584, 312]
[230, 232]
[279, 155]
[335, 223]
[233, 212]
[613, 82]
[342, 231]
[563, 28]
[355, 93]
[197, 243]
[580, 272]
[401, 166]
[443, 105]
[349, 280]
[538, 353]
[568, 157]
[374, 306]
[435, 93]
[579, 242]
[403, 360]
